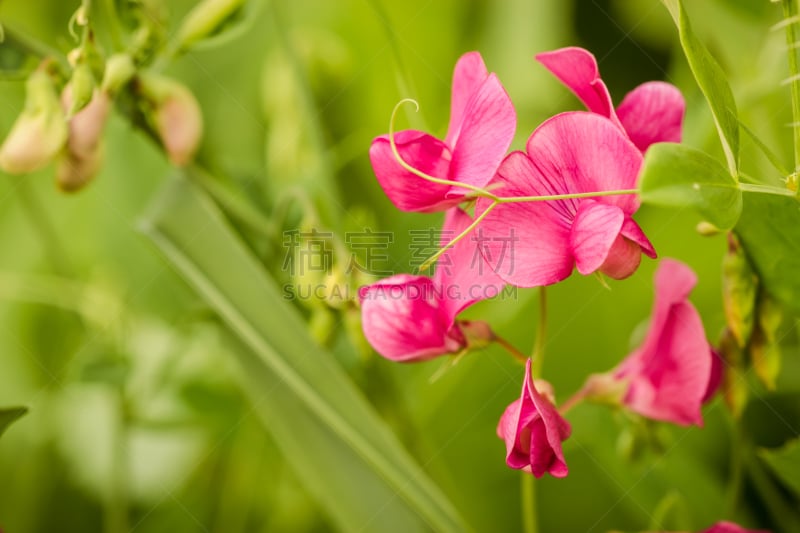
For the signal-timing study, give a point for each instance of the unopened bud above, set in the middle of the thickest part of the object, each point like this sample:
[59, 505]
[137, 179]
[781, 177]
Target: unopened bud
[73, 172]
[119, 71]
[176, 119]
[40, 130]
[707, 229]
[205, 19]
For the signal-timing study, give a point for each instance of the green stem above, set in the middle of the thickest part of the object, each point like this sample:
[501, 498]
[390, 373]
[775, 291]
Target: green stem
[541, 331]
[432, 259]
[530, 518]
[44, 227]
[116, 520]
[530, 522]
[737, 458]
[114, 27]
[765, 189]
[789, 14]
[510, 348]
[403, 163]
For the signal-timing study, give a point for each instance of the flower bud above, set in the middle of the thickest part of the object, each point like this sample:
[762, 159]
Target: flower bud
[40, 130]
[205, 19]
[176, 118]
[74, 172]
[119, 71]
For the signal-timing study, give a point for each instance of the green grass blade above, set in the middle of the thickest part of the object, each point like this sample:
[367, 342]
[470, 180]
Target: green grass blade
[347, 457]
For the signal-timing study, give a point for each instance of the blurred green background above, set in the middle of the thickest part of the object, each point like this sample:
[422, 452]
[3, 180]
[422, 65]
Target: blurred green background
[137, 416]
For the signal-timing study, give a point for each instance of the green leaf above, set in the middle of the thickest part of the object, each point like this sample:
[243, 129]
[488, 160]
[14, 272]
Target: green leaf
[769, 230]
[712, 82]
[10, 415]
[674, 175]
[345, 454]
[785, 464]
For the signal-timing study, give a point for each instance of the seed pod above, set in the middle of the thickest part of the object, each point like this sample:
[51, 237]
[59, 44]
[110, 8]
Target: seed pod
[205, 19]
[765, 351]
[40, 130]
[176, 118]
[734, 387]
[84, 154]
[739, 291]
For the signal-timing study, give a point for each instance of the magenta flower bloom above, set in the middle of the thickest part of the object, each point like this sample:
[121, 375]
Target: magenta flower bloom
[652, 112]
[539, 243]
[413, 318]
[730, 527]
[533, 430]
[673, 372]
[482, 124]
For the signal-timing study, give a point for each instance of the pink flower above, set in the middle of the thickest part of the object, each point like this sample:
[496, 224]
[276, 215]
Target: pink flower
[533, 430]
[651, 113]
[539, 243]
[412, 318]
[482, 124]
[729, 527]
[673, 372]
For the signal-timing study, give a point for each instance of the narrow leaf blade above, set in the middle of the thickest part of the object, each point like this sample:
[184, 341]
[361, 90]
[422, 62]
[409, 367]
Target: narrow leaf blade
[712, 82]
[10, 415]
[347, 457]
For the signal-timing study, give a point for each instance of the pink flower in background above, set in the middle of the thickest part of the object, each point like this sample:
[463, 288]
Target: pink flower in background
[730, 527]
[482, 124]
[673, 372]
[539, 243]
[412, 318]
[652, 112]
[533, 430]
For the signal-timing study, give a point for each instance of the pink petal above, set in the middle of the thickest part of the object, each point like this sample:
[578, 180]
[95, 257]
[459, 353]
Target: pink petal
[469, 75]
[407, 191]
[594, 231]
[533, 431]
[715, 379]
[632, 231]
[570, 153]
[546, 444]
[675, 376]
[526, 244]
[652, 112]
[461, 272]
[730, 527]
[583, 152]
[623, 258]
[402, 320]
[507, 430]
[577, 69]
[486, 133]
[670, 373]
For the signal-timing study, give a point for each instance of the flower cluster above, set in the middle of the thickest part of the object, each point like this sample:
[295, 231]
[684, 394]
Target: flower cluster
[566, 202]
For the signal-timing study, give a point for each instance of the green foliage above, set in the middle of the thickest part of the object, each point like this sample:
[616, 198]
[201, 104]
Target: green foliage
[785, 464]
[9, 415]
[677, 176]
[712, 81]
[357, 475]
